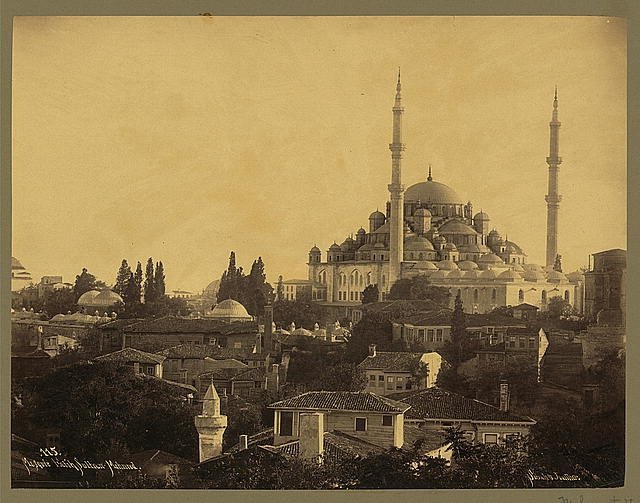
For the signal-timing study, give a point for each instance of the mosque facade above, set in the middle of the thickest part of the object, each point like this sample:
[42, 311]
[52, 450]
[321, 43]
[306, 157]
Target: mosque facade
[428, 229]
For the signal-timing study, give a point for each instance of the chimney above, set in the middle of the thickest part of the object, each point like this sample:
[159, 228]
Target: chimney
[311, 435]
[267, 341]
[372, 350]
[504, 396]
[244, 442]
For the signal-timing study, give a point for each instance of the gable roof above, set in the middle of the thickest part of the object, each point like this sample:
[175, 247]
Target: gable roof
[252, 374]
[439, 404]
[440, 317]
[198, 352]
[156, 456]
[131, 355]
[341, 400]
[173, 324]
[392, 361]
[524, 305]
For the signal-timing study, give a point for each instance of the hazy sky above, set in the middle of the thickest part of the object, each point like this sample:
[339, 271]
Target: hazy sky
[183, 138]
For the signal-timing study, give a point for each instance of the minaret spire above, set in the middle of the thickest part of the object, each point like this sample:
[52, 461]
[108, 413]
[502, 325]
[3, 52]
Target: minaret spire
[396, 190]
[429, 177]
[553, 198]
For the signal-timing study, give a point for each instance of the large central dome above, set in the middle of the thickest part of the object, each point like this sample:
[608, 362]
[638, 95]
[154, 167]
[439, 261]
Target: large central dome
[432, 192]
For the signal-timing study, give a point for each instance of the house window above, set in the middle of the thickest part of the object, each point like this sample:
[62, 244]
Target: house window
[512, 342]
[387, 420]
[520, 296]
[438, 335]
[532, 342]
[372, 377]
[361, 424]
[523, 342]
[430, 335]
[286, 424]
[150, 370]
[490, 438]
[237, 345]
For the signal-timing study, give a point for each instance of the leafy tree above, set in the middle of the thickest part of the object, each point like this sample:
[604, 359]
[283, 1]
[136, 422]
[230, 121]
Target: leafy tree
[243, 418]
[370, 294]
[559, 308]
[100, 407]
[59, 301]
[302, 313]
[85, 281]
[419, 288]
[149, 283]
[159, 280]
[122, 278]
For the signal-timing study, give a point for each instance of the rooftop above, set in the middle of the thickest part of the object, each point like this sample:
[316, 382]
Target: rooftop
[438, 404]
[131, 355]
[393, 361]
[341, 400]
[173, 324]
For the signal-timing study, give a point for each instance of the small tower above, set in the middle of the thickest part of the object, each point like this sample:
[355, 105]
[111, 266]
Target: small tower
[210, 425]
[553, 198]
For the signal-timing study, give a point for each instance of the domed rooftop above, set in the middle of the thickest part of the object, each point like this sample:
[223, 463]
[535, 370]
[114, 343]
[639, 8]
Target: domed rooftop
[517, 268]
[456, 227]
[494, 232]
[347, 244]
[447, 265]
[334, 247]
[510, 275]
[417, 243]
[426, 265]
[365, 247]
[450, 247]
[490, 258]
[86, 299]
[315, 249]
[431, 192]
[534, 275]
[379, 246]
[470, 248]
[439, 274]
[377, 215]
[211, 290]
[471, 274]
[480, 216]
[556, 277]
[106, 298]
[230, 309]
[467, 265]
[511, 247]
[532, 267]
[488, 274]
[302, 331]
[456, 273]
[361, 231]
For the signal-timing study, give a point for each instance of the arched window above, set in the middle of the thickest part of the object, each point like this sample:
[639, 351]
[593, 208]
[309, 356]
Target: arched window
[494, 295]
[384, 280]
[544, 296]
[521, 296]
[475, 295]
[352, 279]
[566, 295]
[420, 256]
[368, 278]
[360, 279]
[459, 292]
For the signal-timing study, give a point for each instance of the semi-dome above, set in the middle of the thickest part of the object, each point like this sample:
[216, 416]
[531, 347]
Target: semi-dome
[417, 243]
[377, 215]
[334, 247]
[467, 265]
[379, 246]
[230, 309]
[488, 274]
[86, 299]
[534, 275]
[366, 247]
[511, 247]
[481, 216]
[456, 227]
[532, 267]
[456, 274]
[470, 248]
[510, 275]
[431, 192]
[447, 265]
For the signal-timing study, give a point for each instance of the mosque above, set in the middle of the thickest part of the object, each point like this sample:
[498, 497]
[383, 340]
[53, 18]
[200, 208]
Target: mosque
[428, 229]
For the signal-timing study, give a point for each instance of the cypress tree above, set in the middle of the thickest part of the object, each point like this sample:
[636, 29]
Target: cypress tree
[557, 265]
[138, 281]
[228, 283]
[458, 332]
[131, 295]
[122, 279]
[159, 280]
[149, 283]
[280, 289]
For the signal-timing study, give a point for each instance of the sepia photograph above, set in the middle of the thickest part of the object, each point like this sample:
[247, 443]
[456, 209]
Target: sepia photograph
[318, 253]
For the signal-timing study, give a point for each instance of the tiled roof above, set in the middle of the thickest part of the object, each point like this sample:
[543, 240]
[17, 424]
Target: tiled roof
[119, 323]
[172, 324]
[131, 355]
[154, 456]
[437, 403]
[221, 374]
[341, 400]
[254, 374]
[524, 305]
[430, 439]
[198, 351]
[393, 361]
[440, 317]
[393, 305]
[492, 320]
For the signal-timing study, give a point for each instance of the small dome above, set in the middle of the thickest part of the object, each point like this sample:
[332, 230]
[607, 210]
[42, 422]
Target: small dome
[511, 247]
[494, 233]
[532, 267]
[450, 247]
[347, 245]
[379, 246]
[439, 239]
[377, 215]
[230, 309]
[556, 277]
[517, 268]
[86, 299]
[490, 258]
[471, 274]
[365, 247]
[467, 265]
[488, 274]
[456, 274]
[470, 248]
[302, 331]
[334, 247]
[361, 231]
[315, 249]
[509, 275]
[481, 216]
[447, 265]
[426, 265]
[417, 243]
[534, 275]
[439, 274]
[422, 212]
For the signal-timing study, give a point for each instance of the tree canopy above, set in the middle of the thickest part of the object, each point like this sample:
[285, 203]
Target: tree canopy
[419, 288]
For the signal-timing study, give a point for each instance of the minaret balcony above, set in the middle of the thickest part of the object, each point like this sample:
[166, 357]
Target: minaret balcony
[554, 160]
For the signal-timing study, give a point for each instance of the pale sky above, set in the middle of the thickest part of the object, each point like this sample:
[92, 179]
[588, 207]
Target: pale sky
[184, 138]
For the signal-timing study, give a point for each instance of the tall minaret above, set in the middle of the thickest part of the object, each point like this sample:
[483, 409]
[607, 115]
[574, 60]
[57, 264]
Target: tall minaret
[210, 425]
[396, 189]
[553, 198]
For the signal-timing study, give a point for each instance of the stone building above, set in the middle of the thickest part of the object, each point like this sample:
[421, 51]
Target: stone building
[429, 229]
[605, 286]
